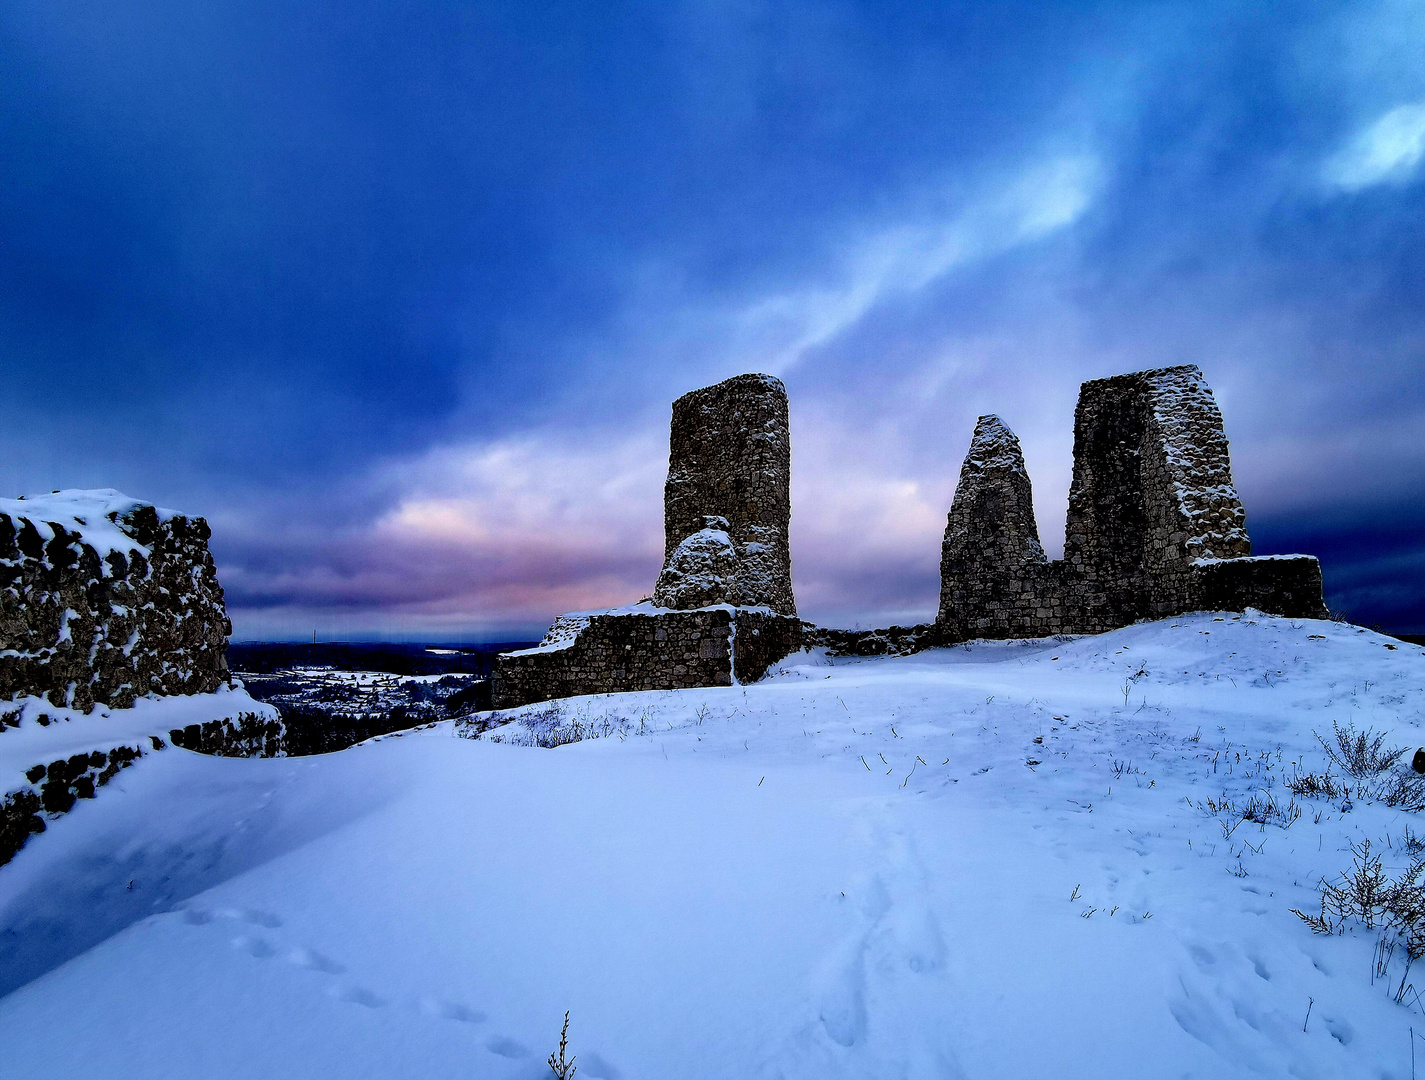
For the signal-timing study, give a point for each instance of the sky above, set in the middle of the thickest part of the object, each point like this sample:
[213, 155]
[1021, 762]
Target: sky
[397, 295]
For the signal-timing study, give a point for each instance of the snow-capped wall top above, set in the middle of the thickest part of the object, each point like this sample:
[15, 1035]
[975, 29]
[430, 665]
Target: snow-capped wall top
[993, 446]
[96, 514]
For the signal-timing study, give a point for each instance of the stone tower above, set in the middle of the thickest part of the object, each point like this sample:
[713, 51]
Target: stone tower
[991, 563]
[1152, 492]
[727, 501]
[1155, 527]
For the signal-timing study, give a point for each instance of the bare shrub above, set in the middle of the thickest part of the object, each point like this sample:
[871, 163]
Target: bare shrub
[547, 726]
[1316, 786]
[1402, 792]
[1366, 894]
[1267, 811]
[1361, 754]
[561, 1068]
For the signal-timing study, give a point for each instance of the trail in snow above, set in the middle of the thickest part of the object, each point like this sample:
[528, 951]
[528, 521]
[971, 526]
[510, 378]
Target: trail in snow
[988, 861]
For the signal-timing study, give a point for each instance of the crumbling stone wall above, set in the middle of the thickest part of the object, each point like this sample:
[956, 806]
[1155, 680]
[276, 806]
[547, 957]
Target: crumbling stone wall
[82, 625]
[730, 458]
[54, 787]
[653, 649]
[1155, 527]
[722, 607]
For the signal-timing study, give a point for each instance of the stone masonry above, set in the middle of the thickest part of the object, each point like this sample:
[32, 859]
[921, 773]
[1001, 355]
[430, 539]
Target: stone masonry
[104, 599]
[729, 484]
[118, 602]
[1154, 528]
[722, 609]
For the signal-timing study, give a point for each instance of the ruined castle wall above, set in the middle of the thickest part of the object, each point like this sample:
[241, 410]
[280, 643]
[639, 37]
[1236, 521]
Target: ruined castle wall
[1155, 527]
[669, 650]
[104, 599]
[1287, 585]
[730, 457]
[761, 639]
[648, 649]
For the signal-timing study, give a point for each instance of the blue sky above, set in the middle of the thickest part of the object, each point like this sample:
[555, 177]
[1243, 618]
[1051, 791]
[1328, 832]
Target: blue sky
[397, 295]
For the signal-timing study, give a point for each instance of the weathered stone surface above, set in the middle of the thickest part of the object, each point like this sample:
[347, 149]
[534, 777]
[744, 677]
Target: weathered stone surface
[1155, 527]
[722, 608]
[993, 572]
[701, 571]
[142, 613]
[886, 641]
[730, 456]
[648, 649]
[1152, 492]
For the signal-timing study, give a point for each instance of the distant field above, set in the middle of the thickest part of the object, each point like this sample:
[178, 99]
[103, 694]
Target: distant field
[266, 657]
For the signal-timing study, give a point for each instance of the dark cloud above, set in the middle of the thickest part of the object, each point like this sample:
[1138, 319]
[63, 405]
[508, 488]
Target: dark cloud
[296, 265]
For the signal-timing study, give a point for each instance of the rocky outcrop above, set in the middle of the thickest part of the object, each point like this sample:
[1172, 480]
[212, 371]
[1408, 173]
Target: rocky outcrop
[730, 457]
[104, 599]
[1155, 527]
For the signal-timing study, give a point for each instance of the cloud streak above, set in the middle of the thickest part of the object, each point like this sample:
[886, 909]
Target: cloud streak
[1387, 151]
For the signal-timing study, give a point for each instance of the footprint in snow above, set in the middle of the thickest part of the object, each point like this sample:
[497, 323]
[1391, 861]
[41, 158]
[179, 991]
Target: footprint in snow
[506, 1047]
[314, 961]
[357, 995]
[257, 918]
[260, 948]
[450, 1010]
[254, 946]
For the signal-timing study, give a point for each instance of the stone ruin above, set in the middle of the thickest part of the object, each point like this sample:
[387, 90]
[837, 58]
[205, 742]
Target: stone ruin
[1154, 529]
[722, 609]
[727, 503]
[123, 601]
[104, 599]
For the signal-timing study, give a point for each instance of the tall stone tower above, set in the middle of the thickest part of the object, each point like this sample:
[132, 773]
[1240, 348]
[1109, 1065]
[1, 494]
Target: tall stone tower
[727, 502]
[1152, 493]
[991, 562]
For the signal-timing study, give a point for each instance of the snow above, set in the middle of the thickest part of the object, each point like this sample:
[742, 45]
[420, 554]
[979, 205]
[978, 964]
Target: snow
[89, 512]
[71, 731]
[854, 868]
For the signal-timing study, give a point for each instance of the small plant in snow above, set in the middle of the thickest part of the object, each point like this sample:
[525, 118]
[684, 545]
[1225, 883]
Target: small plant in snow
[561, 1068]
[1366, 894]
[1359, 753]
[1316, 786]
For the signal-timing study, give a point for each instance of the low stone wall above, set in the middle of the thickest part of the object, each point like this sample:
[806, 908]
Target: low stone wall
[887, 641]
[104, 599]
[653, 650]
[1287, 585]
[54, 787]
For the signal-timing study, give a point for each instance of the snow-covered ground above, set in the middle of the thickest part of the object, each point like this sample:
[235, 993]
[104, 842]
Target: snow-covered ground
[987, 861]
[37, 732]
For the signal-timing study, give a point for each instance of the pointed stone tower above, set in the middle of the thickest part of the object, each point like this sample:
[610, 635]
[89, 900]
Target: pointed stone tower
[1155, 526]
[993, 573]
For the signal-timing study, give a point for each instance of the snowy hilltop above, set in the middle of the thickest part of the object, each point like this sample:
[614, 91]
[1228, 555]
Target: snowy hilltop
[1068, 858]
